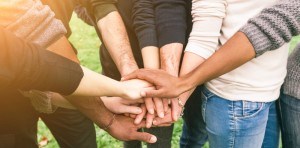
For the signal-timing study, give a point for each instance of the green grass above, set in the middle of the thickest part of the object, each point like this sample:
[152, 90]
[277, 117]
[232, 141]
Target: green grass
[86, 41]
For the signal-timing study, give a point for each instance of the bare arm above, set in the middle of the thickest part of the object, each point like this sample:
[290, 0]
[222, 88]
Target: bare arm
[116, 40]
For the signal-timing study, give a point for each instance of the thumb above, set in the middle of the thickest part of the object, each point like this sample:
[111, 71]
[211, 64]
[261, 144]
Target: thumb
[130, 76]
[145, 137]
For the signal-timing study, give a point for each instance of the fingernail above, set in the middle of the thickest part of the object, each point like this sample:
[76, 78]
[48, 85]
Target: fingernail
[161, 115]
[151, 111]
[122, 79]
[139, 111]
[143, 94]
[154, 122]
[153, 139]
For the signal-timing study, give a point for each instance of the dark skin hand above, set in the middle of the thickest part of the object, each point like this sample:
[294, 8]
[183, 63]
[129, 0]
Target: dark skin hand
[122, 128]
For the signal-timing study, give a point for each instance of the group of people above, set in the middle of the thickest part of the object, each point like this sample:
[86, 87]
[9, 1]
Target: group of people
[225, 85]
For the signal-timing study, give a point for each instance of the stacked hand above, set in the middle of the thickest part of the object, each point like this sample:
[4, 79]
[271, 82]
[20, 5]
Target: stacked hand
[155, 111]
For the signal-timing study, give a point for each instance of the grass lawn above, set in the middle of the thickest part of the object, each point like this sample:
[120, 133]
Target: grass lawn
[86, 41]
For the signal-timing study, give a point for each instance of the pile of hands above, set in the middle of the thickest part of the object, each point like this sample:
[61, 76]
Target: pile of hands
[153, 111]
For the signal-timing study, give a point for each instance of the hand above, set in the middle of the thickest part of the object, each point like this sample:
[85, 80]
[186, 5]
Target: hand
[122, 106]
[167, 86]
[171, 116]
[124, 129]
[133, 87]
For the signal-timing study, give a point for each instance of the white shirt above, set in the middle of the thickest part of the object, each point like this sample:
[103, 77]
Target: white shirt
[215, 21]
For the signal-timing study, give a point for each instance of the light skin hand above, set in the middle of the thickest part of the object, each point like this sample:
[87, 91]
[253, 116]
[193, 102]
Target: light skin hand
[118, 105]
[131, 88]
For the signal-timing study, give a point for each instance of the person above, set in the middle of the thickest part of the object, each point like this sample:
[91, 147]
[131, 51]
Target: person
[147, 34]
[23, 141]
[236, 58]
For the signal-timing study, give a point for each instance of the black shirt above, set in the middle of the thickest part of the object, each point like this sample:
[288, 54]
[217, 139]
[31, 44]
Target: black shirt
[26, 67]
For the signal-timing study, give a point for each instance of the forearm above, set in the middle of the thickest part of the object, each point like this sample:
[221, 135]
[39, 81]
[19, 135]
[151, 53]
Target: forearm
[93, 108]
[234, 53]
[94, 84]
[116, 40]
[151, 57]
[170, 56]
[189, 63]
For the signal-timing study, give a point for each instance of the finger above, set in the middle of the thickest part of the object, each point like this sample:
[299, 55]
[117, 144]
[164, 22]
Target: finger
[166, 104]
[133, 116]
[159, 107]
[132, 102]
[149, 120]
[175, 109]
[149, 105]
[164, 125]
[143, 136]
[140, 116]
[126, 114]
[130, 109]
[153, 93]
[167, 120]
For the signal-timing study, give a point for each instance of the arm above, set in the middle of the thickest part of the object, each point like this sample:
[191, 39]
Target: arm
[235, 52]
[26, 67]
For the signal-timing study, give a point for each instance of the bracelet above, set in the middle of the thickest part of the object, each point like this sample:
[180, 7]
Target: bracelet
[110, 123]
[182, 106]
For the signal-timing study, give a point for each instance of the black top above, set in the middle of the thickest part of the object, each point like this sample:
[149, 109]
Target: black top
[150, 23]
[26, 67]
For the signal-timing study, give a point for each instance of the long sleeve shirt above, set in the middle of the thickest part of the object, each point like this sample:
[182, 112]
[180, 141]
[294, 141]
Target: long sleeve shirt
[271, 29]
[26, 67]
[258, 80]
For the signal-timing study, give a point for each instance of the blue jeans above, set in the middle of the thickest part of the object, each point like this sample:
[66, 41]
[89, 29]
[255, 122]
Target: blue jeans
[233, 113]
[194, 133]
[290, 114]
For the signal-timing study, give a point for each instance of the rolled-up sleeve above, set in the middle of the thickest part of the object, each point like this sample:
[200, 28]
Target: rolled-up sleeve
[170, 18]
[207, 22]
[26, 67]
[144, 22]
[100, 8]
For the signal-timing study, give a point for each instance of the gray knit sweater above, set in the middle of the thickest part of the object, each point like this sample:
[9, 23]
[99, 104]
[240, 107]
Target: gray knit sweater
[272, 28]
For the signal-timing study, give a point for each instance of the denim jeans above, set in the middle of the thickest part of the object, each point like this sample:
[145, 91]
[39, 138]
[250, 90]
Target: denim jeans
[234, 124]
[290, 114]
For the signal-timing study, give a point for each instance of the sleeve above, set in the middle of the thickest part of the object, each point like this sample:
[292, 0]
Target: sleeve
[25, 67]
[42, 30]
[274, 26]
[207, 22]
[170, 18]
[144, 22]
[100, 8]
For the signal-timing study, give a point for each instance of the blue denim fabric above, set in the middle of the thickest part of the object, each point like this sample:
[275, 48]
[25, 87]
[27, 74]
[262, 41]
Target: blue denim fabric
[290, 114]
[234, 124]
[271, 139]
[194, 134]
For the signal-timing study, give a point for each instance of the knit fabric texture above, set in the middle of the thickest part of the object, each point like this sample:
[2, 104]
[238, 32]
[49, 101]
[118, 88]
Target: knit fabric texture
[291, 85]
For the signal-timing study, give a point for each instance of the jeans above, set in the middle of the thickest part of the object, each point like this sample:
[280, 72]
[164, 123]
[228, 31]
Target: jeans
[234, 124]
[194, 134]
[290, 114]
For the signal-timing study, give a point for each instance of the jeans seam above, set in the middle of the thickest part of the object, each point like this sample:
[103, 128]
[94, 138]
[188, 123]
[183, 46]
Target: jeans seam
[232, 125]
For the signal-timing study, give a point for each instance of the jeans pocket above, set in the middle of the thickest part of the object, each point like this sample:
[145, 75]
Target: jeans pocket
[246, 109]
